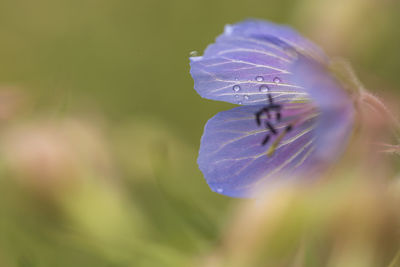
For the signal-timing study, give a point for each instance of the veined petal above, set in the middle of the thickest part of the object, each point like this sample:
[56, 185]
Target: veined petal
[233, 159]
[250, 58]
[284, 35]
[271, 69]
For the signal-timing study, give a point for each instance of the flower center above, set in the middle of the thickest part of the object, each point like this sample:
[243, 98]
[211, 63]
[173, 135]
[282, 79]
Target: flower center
[273, 112]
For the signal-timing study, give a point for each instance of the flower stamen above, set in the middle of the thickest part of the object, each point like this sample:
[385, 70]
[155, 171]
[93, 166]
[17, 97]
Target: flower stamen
[270, 125]
[270, 107]
[271, 128]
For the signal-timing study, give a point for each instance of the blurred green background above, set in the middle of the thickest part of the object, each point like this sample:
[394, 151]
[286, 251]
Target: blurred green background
[100, 123]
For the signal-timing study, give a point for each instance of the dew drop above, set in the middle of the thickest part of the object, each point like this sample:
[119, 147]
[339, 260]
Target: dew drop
[259, 78]
[277, 80]
[246, 97]
[220, 190]
[194, 54]
[195, 59]
[263, 88]
[236, 88]
[240, 102]
[228, 29]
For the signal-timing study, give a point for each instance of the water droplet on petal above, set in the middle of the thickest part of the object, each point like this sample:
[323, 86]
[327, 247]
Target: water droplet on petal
[246, 97]
[263, 88]
[195, 59]
[259, 78]
[277, 80]
[228, 29]
[194, 54]
[236, 88]
[220, 190]
[240, 102]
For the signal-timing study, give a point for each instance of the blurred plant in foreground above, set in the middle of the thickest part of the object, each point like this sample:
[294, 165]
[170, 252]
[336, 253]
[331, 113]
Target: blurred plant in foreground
[48, 153]
[348, 221]
[59, 188]
[12, 100]
[107, 195]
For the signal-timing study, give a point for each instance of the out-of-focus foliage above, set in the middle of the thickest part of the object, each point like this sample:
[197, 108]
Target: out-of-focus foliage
[100, 126]
[346, 222]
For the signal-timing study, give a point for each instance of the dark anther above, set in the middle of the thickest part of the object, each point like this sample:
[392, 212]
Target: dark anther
[258, 119]
[266, 139]
[271, 128]
[267, 110]
[271, 102]
[288, 128]
[260, 112]
[272, 105]
[278, 116]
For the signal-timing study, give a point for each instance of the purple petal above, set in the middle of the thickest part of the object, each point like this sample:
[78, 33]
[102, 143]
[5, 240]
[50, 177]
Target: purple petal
[250, 58]
[283, 35]
[232, 158]
[336, 119]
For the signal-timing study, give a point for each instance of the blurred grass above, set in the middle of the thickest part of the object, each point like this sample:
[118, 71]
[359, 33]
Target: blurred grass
[99, 136]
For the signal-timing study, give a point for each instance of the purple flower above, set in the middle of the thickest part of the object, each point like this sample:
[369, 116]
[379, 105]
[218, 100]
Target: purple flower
[294, 119]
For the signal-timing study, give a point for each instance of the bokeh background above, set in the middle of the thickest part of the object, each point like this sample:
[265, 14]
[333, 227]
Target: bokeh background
[100, 128]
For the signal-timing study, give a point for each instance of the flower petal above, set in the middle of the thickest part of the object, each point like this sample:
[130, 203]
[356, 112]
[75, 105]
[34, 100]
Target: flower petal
[336, 120]
[250, 58]
[234, 161]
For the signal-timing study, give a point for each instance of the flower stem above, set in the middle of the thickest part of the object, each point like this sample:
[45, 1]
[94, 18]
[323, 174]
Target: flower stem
[377, 105]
